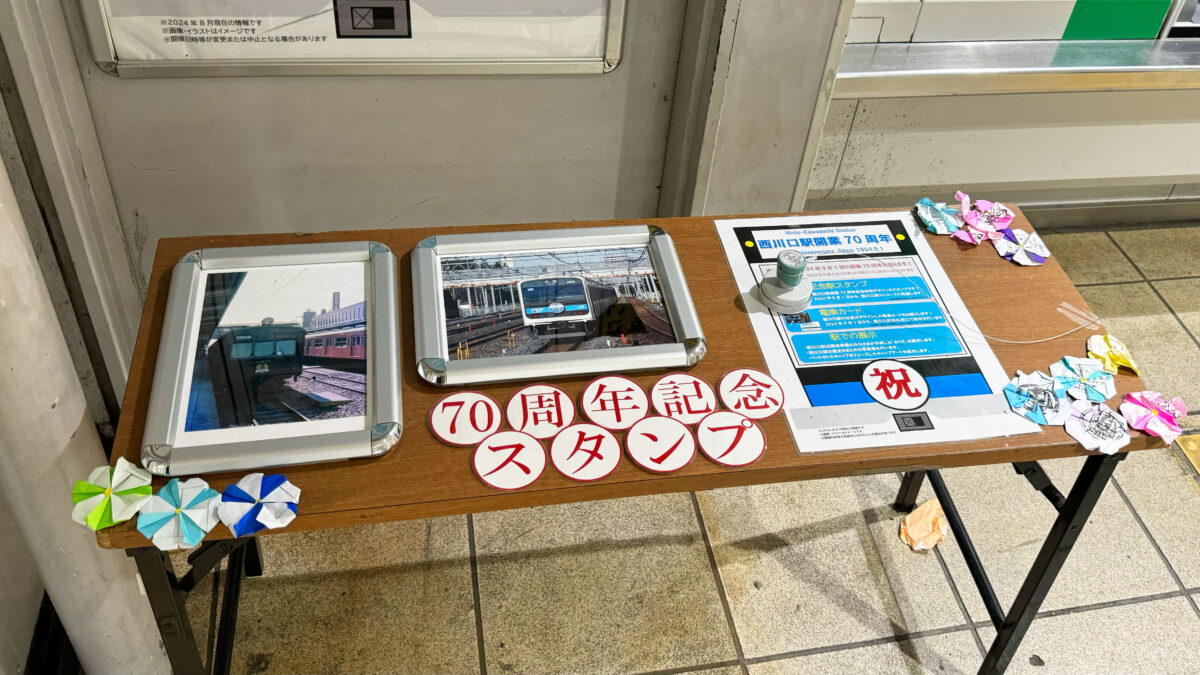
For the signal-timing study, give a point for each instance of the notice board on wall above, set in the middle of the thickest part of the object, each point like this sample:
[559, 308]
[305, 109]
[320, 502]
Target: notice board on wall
[147, 38]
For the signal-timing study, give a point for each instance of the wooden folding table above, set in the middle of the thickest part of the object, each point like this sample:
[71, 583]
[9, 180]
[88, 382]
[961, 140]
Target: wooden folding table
[423, 478]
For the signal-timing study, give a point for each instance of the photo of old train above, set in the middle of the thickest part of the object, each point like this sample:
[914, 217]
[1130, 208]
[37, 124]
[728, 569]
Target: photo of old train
[263, 356]
[338, 339]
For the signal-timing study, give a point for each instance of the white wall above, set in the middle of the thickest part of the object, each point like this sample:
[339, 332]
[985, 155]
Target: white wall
[20, 595]
[1030, 149]
[236, 155]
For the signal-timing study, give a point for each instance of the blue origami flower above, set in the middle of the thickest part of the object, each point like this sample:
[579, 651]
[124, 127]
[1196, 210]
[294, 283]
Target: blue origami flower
[256, 502]
[179, 515]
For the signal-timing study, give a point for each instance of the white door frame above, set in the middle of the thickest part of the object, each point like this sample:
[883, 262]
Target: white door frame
[40, 50]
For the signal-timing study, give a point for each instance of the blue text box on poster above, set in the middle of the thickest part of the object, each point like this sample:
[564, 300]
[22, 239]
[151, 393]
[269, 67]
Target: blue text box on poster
[867, 316]
[841, 292]
[882, 343]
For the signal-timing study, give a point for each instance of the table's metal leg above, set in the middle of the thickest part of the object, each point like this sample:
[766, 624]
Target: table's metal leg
[910, 487]
[254, 565]
[967, 547]
[1071, 518]
[235, 571]
[167, 603]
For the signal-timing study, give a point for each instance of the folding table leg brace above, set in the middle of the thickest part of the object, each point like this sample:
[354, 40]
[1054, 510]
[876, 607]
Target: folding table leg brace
[168, 592]
[1073, 512]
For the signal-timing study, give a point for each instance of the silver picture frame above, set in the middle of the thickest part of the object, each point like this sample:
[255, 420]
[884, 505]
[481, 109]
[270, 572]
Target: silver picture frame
[433, 361]
[169, 448]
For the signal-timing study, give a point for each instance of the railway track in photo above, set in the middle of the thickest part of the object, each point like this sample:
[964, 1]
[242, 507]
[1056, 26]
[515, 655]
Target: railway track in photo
[264, 415]
[333, 378]
[483, 329]
[561, 347]
[652, 318]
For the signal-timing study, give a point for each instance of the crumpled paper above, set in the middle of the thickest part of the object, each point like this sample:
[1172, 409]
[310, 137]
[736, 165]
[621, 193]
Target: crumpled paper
[925, 527]
[1021, 247]
[1097, 427]
[1084, 378]
[983, 221]
[1110, 352]
[937, 217]
[1150, 413]
[1038, 397]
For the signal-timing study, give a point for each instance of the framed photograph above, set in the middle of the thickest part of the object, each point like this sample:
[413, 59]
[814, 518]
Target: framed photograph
[550, 303]
[274, 355]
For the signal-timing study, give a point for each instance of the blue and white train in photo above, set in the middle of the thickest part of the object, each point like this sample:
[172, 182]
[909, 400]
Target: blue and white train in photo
[564, 306]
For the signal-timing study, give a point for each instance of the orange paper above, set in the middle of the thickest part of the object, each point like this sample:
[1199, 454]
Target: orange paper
[925, 527]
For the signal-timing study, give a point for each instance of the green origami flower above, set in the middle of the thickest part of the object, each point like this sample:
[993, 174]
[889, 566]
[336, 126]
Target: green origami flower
[111, 494]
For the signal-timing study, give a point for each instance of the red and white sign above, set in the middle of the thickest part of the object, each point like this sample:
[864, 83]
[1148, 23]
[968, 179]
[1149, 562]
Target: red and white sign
[683, 397]
[895, 385]
[730, 439]
[585, 452]
[614, 402]
[465, 418]
[660, 444]
[540, 410]
[509, 460]
[751, 393]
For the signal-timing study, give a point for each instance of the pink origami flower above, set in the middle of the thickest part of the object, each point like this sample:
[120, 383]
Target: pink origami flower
[1147, 411]
[984, 221]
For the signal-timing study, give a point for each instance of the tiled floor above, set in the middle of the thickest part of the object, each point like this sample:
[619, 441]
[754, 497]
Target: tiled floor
[803, 577]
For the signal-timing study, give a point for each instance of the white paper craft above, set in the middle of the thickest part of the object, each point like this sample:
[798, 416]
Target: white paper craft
[1038, 397]
[465, 418]
[730, 439]
[1022, 247]
[614, 402]
[180, 514]
[111, 494]
[540, 410]
[660, 444]
[1084, 378]
[751, 392]
[683, 397]
[509, 460]
[1097, 427]
[258, 502]
[585, 452]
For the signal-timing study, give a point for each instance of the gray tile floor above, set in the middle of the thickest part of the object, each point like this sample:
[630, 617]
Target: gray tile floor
[802, 577]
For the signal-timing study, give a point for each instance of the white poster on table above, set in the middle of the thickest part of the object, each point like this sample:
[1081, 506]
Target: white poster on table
[886, 353]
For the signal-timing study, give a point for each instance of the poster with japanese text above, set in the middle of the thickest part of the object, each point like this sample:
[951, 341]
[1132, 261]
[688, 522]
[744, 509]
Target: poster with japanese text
[886, 353]
[249, 30]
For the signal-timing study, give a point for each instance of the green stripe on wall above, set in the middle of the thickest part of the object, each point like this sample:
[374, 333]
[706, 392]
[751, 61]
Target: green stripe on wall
[1116, 19]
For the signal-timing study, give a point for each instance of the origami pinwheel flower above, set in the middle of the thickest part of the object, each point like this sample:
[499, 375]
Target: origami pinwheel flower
[1097, 427]
[985, 220]
[1038, 397]
[256, 502]
[111, 494]
[1111, 352]
[938, 218]
[1084, 378]
[180, 514]
[1021, 247]
[1147, 411]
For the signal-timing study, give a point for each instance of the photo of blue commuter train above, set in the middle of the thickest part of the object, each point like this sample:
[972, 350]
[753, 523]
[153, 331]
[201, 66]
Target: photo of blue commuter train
[564, 307]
